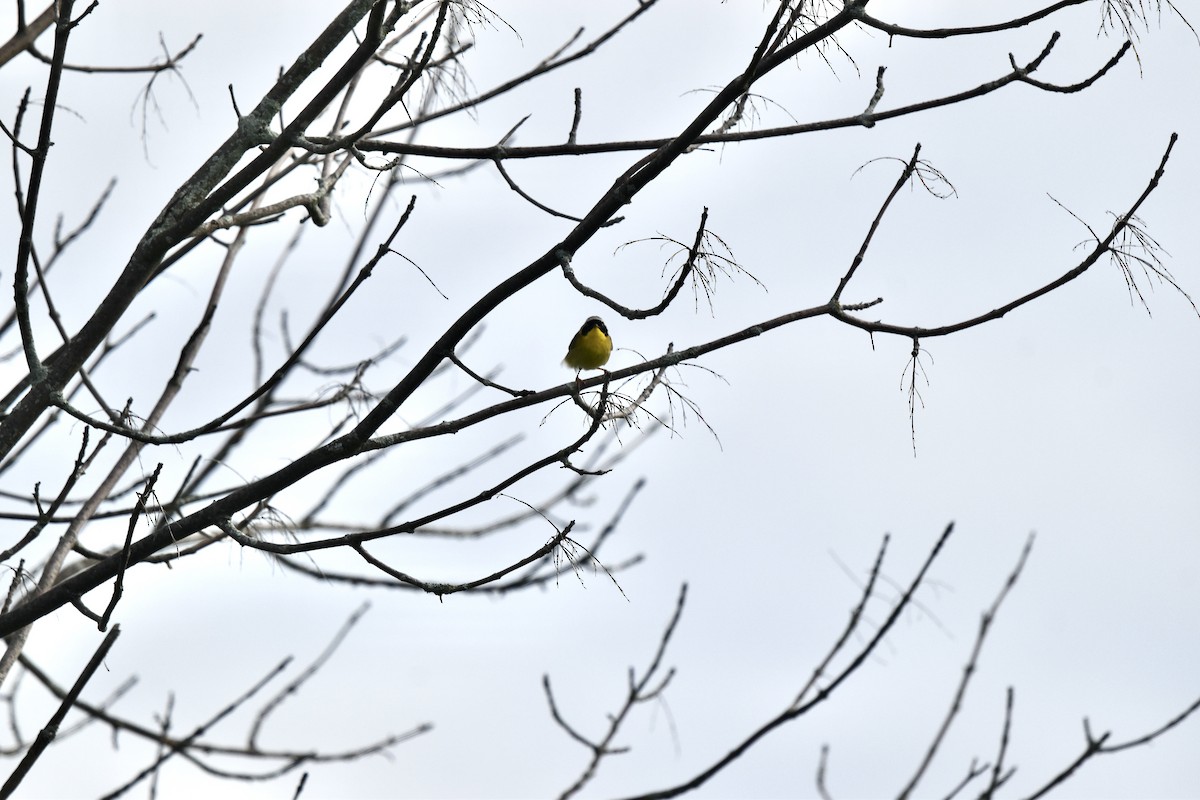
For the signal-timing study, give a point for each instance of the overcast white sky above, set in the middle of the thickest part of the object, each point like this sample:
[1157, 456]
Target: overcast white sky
[1074, 417]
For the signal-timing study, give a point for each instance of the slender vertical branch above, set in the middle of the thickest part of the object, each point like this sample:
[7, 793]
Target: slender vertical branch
[62, 32]
[47, 734]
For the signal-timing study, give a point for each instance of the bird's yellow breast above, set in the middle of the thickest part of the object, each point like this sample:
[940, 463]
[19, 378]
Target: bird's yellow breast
[589, 349]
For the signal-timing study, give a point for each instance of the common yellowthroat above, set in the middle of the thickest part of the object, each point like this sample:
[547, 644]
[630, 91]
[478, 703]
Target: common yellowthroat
[591, 347]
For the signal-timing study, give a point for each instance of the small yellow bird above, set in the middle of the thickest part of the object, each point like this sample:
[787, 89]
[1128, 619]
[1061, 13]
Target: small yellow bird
[590, 348]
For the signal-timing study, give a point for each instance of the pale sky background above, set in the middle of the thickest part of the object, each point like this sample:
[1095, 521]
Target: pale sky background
[1074, 417]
